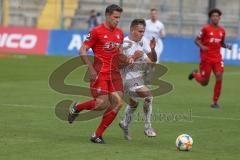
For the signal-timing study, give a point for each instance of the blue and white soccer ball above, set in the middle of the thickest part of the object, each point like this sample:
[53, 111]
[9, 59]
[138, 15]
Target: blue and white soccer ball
[184, 142]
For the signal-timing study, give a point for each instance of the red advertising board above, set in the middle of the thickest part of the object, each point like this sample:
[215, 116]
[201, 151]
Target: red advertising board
[23, 40]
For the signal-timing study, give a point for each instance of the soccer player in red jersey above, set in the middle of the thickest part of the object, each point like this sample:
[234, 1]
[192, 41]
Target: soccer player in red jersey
[105, 79]
[210, 40]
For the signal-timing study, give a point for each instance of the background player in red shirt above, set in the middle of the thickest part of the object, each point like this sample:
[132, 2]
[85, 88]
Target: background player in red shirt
[105, 79]
[210, 40]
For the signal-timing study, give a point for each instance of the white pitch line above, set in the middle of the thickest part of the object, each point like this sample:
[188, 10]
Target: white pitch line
[217, 118]
[231, 73]
[193, 116]
[25, 105]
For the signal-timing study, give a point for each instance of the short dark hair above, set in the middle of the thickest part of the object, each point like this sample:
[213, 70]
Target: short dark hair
[136, 22]
[214, 10]
[153, 9]
[111, 8]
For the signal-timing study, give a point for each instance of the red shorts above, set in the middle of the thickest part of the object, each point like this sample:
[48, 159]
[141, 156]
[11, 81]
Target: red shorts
[102, 87]
[207, 67]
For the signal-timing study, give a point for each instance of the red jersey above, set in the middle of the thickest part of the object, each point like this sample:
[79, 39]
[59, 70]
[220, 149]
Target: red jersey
[212, 38]
[105, 44]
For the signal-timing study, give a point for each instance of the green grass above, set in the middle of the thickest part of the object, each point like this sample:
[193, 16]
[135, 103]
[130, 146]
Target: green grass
[29, 128]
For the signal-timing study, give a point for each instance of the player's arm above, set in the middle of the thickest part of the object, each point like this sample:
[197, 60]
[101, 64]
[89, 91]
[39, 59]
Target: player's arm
[162, 32]
[83, 54]
[124, 60]
[198, 39]
[224, 45]
[200, 45]
[152, 56]
[227, 46]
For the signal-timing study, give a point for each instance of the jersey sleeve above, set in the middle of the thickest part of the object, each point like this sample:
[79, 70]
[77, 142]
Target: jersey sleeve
[91, 38]
[223, 37]
[162, 28]
[201, 33]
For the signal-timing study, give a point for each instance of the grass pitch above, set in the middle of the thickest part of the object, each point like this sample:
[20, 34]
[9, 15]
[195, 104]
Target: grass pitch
[29, 128]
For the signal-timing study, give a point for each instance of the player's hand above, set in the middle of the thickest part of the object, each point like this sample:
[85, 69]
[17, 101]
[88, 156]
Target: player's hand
[153, 43]
[137, 54]
[130, 60]
[92, 75]
[204, 48]
[229, 46]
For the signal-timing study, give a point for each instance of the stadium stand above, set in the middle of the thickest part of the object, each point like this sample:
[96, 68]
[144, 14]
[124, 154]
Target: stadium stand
[184, 18]
[193, 14]
[24, 12]
[53, 9]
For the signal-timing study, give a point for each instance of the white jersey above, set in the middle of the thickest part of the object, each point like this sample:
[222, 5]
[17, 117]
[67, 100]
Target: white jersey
[153, 29]
[135, 71]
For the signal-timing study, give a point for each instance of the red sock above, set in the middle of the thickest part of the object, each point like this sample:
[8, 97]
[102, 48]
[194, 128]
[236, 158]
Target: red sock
[198, 77]
[217, 90]
[88, 105]
[107, 119]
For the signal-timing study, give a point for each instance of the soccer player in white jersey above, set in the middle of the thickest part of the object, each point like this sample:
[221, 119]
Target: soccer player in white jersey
[135, 44]
[156, 29]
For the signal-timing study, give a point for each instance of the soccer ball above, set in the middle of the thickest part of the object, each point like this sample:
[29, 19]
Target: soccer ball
[184, 142]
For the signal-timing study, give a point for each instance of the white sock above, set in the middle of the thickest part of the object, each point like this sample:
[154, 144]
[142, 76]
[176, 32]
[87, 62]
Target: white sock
[147, 110]
[128, 115]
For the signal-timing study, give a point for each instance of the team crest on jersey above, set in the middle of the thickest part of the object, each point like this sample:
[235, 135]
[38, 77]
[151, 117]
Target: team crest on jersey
[126, 44]
[220, 34]
[118, 36]
[105, 36]
[88, 37]
[211, 33]
[141, 43]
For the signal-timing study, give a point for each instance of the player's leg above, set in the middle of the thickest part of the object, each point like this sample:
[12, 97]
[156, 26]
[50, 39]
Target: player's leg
[100, 101]
[116, 102]
[218, 70]
[146, 94]
[203, 76]
[128, 117]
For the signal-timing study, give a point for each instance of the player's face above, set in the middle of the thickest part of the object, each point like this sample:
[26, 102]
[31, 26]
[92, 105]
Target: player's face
[153, 15]
[138, 32]
[215, 18]
[113, 19]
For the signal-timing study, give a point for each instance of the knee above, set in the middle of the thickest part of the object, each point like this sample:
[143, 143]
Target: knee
[133, 104]
[119, 102]
[118, 105]
[148, 99]
[218, 76]
[102, 104]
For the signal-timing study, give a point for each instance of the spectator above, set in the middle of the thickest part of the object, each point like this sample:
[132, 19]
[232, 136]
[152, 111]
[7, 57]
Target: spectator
[92, 20]
[99, 18]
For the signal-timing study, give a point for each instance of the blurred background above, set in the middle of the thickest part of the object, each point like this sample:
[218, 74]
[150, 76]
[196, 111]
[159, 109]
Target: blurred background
[180, 17]
[59, 27]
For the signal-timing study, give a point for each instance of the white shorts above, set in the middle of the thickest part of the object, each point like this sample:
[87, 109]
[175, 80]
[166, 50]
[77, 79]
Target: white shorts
[130, 87]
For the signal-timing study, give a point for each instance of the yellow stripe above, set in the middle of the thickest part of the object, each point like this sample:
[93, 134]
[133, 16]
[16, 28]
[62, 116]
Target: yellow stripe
[5, 12]
[50, 17]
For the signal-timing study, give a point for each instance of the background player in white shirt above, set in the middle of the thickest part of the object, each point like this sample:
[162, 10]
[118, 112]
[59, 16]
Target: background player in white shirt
[156, 29]
[136, 44]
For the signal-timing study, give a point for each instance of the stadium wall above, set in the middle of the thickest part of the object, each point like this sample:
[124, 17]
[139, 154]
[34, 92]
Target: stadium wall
[68, 43]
